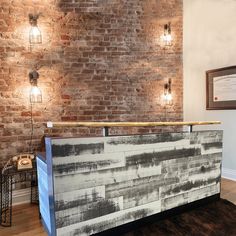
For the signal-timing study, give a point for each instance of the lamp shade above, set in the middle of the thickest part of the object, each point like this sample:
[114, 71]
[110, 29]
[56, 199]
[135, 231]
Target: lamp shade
[167, 92]
[167, 38]
[35, 94]
[168, 97]
[35, 36]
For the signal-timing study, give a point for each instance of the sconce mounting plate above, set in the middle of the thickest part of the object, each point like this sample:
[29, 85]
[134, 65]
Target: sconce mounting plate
[33, 77]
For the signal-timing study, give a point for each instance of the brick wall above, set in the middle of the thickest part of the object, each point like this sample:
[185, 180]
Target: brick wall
[101, 60]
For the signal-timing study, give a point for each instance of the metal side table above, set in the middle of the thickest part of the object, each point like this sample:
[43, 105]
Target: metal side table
[10, 177]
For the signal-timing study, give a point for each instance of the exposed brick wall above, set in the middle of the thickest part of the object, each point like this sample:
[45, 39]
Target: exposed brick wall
[101, 60]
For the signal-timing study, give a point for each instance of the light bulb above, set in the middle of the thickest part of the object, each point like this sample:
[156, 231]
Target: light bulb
[167, 39]
[168, 97]
[35, 36]
[35, 94]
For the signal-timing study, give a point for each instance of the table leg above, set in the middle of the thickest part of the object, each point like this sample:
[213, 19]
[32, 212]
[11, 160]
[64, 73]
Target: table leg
[6, 208]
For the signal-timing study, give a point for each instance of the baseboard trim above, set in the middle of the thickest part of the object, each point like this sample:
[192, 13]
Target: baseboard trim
[229, 174]
[21, 196]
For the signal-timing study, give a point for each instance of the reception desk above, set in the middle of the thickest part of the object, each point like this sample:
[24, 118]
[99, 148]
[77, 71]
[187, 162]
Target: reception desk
[90, 185]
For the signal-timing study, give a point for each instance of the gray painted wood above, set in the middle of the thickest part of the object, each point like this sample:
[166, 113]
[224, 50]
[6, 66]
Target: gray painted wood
[103, 182]
[43, 193]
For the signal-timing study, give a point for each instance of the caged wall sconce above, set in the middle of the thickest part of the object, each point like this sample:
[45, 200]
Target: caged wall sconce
[167, 92]
[35, 36]
[167, 37]
[35, 92]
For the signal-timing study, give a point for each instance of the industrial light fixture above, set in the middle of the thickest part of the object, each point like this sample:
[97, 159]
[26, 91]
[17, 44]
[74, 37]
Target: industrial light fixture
[35, 92]
[167, 38]
[167, 92]
[35, 36]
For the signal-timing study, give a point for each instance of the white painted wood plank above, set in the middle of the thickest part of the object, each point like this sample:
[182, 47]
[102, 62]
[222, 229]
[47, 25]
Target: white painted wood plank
[88, 212]
[112, 220]
[86, 180]
[203, 192]
[87, 163]
[76, 141]
[88, 194]
[109, 148]
[209, 174]
[174, 201]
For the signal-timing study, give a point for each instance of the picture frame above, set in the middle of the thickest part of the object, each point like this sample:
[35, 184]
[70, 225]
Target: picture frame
[221, 88]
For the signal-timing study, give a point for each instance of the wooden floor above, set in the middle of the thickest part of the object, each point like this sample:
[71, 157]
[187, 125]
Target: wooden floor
[26, 221]
[228, 190]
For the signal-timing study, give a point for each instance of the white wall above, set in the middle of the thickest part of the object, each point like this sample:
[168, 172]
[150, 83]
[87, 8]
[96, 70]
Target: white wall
[210, 43]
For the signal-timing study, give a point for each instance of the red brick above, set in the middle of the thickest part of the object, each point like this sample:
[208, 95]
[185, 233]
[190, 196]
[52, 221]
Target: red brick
[98, 62]
[26, 113]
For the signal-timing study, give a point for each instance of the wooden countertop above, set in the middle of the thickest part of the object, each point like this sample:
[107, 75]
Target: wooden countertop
[128, 124]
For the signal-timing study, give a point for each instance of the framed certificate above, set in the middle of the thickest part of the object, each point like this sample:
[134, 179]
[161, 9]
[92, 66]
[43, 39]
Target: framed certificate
[221, 88]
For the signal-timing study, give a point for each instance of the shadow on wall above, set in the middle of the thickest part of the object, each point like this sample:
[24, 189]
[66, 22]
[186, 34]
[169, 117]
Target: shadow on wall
[99, 61]
[114, 46]
[111, 55]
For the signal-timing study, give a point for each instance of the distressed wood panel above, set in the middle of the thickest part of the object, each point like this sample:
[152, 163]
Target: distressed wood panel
[88, 211]
[142, 142]
[87, 163]
[208, 136]
[143, 190]
[204, 192]
[43, 193]
[73, 146]
[135, 194]
[187, 197]
[114, 219]
[175, 189]
[156, 156]
[100, 183]
[178, 166]
[174, 201]
[67, 183]
[79, 197]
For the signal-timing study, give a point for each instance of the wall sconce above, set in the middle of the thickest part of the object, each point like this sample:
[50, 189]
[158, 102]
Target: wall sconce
[35, 36]
[167, 92]
[35, 92]
[167, 38]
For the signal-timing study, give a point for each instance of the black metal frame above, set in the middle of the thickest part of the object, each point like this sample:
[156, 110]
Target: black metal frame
[8, 178]
[218, 105]
[105, 131]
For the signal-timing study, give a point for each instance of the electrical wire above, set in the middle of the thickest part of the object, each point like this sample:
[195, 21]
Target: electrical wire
[30, 150]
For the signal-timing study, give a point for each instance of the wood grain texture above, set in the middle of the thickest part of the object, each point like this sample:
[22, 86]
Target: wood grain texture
[26, 221]
[128, 124]
[103, 182]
